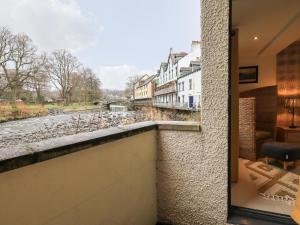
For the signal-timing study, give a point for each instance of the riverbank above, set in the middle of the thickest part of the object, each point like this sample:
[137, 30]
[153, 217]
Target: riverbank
[31, 130]
[25, 111]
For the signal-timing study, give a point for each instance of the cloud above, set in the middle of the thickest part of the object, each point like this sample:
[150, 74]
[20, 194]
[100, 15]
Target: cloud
[115, 77]
[52, 24]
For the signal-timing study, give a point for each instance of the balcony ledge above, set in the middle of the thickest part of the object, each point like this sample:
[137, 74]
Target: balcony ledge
[179, 125]
[32, 153]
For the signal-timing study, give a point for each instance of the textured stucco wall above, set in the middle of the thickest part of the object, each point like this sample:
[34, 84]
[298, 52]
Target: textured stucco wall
[180, 167]
[189, 190]
[215, 78]
[192, 167]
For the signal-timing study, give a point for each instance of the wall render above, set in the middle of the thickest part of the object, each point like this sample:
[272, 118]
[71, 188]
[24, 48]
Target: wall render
[180, 167]
[192, 169]
[109, 184]
[215, 98]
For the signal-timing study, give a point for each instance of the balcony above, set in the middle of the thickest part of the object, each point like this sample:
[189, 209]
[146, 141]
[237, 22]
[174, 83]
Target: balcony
[176, 105]
[166, 89]
[112, 176]
[142, 102]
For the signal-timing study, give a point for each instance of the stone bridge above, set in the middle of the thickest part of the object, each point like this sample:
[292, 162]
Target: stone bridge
[117, 102]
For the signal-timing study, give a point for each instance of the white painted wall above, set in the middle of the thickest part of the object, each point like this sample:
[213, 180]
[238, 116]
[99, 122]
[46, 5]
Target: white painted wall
[170, 73]
[166, 76]
[196, 87]
[194, 55]
[266, 71]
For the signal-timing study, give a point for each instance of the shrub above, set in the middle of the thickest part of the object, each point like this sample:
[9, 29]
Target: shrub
[20, 111]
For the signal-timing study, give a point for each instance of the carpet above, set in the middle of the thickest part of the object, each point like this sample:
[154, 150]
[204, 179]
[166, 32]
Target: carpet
[272, 182]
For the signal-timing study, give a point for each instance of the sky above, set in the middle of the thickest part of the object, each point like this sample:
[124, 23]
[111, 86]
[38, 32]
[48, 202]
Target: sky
[115, 38]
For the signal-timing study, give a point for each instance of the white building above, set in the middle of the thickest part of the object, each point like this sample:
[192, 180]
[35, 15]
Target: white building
[194, 55]
[166, 92]
[189, 86]
[166, 88]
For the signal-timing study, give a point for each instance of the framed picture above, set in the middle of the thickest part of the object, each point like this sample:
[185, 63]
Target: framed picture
[248, 74]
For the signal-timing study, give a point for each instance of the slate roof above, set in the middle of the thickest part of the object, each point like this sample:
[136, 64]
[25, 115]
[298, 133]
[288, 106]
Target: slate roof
[164, 65]
[184, 71]
[144, 82]
[195, 63]
[175, 57]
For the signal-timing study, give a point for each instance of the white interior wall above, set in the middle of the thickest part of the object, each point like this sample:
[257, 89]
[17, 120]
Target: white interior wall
[266, 71]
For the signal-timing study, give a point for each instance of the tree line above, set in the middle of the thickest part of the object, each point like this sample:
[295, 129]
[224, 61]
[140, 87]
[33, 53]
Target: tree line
[23, 69]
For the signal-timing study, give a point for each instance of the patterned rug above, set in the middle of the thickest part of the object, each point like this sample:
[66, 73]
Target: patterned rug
[273, 182]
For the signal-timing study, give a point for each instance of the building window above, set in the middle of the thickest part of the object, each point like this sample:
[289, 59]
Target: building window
[182, 85]
[182, 98]
[190, 84]
[178, 99]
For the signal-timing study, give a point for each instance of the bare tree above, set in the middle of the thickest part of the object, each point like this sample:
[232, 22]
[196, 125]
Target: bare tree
[92, 85]
[130, 85]
[77, 82]
[5, 51]
[62, 67]
[87, 86]
[40, 78]
[22, 70]
[18, 68]
[5, 44]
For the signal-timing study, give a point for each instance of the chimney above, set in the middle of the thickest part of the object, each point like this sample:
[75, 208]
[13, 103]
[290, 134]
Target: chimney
[195, 45]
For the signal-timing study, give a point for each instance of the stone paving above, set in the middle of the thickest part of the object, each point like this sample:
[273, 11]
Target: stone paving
[37, 129]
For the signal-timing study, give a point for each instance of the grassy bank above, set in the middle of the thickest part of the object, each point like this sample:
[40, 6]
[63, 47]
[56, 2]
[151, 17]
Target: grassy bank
[23, 110]
[20, 111]
[72, 107]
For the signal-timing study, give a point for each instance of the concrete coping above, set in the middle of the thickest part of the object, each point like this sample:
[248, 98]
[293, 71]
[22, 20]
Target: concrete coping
[26, 154]
[179, 125]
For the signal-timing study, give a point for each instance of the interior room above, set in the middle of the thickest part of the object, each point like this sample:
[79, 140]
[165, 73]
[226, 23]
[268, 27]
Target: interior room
[265, 66]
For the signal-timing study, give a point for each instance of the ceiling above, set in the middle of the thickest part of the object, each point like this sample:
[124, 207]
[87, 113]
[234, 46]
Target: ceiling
[276, 23]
